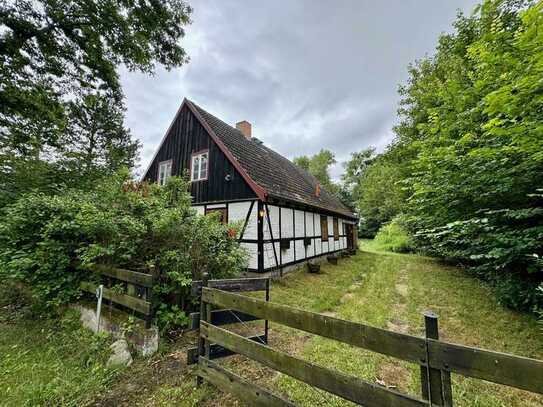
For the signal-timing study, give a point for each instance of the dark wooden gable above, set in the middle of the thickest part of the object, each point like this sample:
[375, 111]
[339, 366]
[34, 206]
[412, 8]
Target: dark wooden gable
[187, 136]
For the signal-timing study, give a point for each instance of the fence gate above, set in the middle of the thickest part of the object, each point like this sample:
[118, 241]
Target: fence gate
[437, 359]
[220, 317]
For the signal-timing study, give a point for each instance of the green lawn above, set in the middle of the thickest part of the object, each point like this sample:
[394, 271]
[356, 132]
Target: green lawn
[381, 289]
[50, 361]
[391, 291]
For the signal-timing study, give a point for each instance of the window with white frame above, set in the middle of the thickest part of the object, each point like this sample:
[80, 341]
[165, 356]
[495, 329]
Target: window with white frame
[199, 166]
[164, 171]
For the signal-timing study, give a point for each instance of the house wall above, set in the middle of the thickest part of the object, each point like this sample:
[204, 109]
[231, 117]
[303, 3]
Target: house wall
[294, 225]
[281, 224]
[186, 136]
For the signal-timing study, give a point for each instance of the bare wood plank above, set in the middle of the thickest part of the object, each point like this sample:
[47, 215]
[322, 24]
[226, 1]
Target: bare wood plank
[134, 277]
[134, 303]
[348, 387]
[221, 317]
[218, 351]
[514, 371]
[229, 382]
[401, 346]
[232, 285]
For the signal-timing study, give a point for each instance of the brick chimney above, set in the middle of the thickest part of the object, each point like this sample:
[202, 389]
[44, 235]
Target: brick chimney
[245, 127]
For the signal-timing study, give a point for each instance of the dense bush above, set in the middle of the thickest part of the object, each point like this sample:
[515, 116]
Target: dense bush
[47, 242]
[394, 237]
[468, 150]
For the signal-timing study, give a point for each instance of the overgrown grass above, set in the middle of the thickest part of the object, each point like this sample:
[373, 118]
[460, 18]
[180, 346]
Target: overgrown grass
[393, 237]
[49, 361]
[394, 291]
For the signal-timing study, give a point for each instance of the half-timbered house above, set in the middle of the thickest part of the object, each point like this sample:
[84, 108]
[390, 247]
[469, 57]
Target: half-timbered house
[287, 217]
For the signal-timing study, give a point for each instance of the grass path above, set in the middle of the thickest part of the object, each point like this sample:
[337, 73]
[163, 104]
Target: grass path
[395, 291]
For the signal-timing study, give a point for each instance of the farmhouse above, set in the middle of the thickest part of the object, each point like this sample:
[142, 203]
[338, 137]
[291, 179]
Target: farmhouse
[286, 216]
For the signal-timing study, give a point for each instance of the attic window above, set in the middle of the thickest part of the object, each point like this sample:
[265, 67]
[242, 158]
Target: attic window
[198, 166]
[164, 171]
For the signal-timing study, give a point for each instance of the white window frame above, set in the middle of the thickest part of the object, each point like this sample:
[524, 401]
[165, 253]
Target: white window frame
[197, 171]
[164, 171]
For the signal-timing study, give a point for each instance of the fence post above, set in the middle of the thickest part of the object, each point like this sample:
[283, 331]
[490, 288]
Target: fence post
[203, 347]
[266, 322]
[435, 383]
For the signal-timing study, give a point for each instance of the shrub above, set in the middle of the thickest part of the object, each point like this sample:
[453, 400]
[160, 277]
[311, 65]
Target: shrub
[502, 247]
[48, 242]
[394, 237]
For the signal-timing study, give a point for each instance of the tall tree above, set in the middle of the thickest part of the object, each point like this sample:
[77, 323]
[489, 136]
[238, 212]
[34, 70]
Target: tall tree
[97, 143]
[50, 49]
[319, 165]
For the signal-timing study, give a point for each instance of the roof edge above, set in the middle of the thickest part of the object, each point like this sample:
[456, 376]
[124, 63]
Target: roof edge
[260, 192]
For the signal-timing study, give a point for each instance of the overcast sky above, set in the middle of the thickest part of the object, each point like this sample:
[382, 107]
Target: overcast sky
[307, 74]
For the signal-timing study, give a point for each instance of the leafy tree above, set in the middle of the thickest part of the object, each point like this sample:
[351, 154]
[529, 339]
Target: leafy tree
[50, 48]
[467, 153]
[380, 197]
[354, 170]
[96, 143]
[318, 165]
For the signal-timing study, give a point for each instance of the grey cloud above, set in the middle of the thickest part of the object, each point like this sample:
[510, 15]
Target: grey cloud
[307, 74]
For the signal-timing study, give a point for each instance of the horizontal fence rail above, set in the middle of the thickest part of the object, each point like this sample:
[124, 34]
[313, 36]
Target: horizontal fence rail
[221, 317]
[244, 390]
[129, 276]
[232, 285]
[348, 387]
[127, 301]
[515, 371]
[389, 343]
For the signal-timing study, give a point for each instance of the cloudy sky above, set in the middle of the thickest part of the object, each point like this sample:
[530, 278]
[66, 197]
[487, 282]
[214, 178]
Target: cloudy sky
[307, 74]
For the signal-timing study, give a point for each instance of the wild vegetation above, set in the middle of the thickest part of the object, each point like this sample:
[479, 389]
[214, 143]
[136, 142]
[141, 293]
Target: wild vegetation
[61, 103]
[48, 242]
[465, 169]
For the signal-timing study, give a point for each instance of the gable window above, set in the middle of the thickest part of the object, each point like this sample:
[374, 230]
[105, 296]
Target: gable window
[324, 227]
[199, 166]
[336, 229]
[164, 171]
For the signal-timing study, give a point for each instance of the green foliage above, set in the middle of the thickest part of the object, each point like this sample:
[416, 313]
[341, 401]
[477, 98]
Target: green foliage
[50, 50]
[380, 197]
[47, 242]
[318, 165]
[51, 361]
[394, 237]
[466, 164]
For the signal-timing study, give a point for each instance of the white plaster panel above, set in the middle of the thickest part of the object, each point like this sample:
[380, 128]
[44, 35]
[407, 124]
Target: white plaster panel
[309, 227]
[252, 250]
[216, 206]
[287, 255]
[237, 212]
[300, 249]
[330, 227]
[274, 220]
[317, 224]
[287, 227]
[269, 257]
[200, 210]
[318, 246]
[299, 223]
[325, 246]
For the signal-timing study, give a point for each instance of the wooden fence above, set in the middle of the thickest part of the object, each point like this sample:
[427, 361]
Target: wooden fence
[437, 359]
[137, 289]
[227, 316]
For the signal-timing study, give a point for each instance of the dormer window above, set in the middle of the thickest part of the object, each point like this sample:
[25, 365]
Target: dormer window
[199, 166]
[164, 171]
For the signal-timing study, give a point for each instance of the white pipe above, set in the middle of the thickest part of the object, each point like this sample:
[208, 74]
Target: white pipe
[99, 292]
